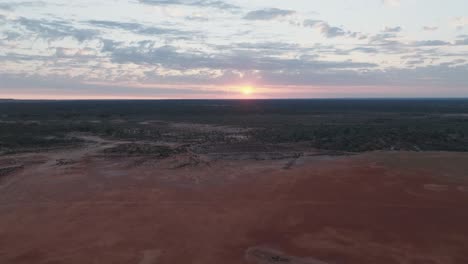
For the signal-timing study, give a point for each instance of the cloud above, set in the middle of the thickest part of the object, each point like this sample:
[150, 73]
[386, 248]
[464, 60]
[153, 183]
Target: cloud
[115, 25]
[278, 46]
[75, 54]
[366, 50]
[325, 28]
[139, 28]
[384, 38]
[415, 62]
[6, 6]
[13, 5]
[431, 43]
[331, 31]
[195, 3]
[10, 35]
[140, 62]
[393, 29]
[462, 42]
[440, 77]
[10, 56]
[428, 28]
[268, 14]
[109, 45]
[170, 57]
[56, 29]
[458, 62]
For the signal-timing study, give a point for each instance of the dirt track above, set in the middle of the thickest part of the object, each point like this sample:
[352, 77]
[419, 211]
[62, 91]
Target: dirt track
[375, 208]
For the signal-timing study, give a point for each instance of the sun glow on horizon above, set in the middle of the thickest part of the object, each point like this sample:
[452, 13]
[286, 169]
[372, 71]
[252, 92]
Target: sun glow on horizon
[247, 90]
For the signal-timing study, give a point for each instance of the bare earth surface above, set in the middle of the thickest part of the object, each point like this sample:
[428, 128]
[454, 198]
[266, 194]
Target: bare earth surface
[81, 206]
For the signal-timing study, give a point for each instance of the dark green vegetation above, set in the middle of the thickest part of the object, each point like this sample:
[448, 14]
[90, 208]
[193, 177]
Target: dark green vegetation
[141, 149]
[346, 125]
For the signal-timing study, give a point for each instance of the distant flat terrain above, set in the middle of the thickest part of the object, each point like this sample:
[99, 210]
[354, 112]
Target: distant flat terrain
[356, 125]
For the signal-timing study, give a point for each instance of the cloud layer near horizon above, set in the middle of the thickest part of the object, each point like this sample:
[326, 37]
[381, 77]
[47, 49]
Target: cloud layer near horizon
[210, 48]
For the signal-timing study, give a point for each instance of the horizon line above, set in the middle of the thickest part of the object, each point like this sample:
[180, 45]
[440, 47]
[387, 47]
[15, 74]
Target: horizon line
[229, 99]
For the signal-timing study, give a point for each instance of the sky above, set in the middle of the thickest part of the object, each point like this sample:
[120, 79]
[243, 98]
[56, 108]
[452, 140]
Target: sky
[217, 49]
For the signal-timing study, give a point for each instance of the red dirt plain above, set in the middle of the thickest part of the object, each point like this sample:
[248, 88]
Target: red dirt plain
[373, 208]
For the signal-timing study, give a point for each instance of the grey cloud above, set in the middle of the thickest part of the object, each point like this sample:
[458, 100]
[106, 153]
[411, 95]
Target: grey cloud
[197, 18]
[53, 30]
[63, 57]
[387, 42]
[366, 50]
[115, 25]
[13, 5]
[383, 37]
[10, 35]
[312, 22]
[439, 76]
[462, 42]
[6, 6]
[170, 57]
[325, 28]
[268, 49]
[431, 43]
[10, 56]
[454, 62]
[393, 29]
[139, 28]
[268, 14]
[109, 45]
[66, 53]
[411, 56]
[196, 3]
[267, 46]
[415, 62]
[419, 78]
[331, 31]
[357, 35]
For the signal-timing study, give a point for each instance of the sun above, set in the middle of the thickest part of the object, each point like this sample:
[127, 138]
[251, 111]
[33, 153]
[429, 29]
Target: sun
[247, 90]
